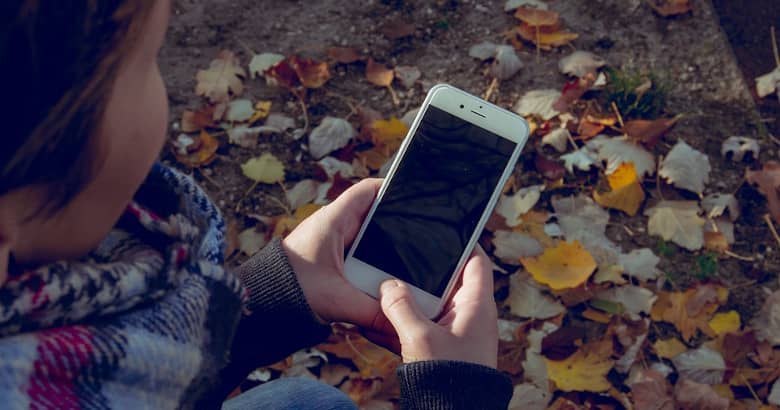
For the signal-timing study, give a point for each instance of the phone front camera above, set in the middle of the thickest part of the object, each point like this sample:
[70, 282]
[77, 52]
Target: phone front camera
[461, 106]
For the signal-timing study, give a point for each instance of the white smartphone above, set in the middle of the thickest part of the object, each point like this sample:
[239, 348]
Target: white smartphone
[437, 196]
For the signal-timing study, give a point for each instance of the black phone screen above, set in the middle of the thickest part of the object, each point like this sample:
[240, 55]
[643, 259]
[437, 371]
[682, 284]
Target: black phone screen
[433, 204]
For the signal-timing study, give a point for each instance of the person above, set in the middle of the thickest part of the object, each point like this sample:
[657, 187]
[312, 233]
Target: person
[113, 288]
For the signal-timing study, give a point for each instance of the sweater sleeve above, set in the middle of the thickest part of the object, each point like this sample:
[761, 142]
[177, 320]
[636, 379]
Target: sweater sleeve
[277, 322]
[444, 384]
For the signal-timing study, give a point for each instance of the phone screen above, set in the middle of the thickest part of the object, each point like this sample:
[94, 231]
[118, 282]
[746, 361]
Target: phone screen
[433, 204]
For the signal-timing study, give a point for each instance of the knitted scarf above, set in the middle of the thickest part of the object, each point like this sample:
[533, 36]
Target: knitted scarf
[145, 321]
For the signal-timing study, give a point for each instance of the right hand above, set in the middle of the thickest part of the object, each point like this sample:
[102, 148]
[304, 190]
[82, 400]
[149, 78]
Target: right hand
[468, 328]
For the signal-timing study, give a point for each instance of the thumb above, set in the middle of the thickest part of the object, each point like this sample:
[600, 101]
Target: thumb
[401, 310]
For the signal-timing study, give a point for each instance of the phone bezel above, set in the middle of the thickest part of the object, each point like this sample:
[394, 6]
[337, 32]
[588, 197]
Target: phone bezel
[478, 112]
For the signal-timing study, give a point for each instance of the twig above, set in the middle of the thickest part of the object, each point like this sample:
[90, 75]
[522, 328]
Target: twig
[346, 100]
[628, 230]
[493, 85]
[393, 95]
[619, 117]
[281, 204]
[658, 179]
[246, 194]
[571, 140]
[208, 178]
[246, 47]
[753, 392]
[740, 257]
[305, 110]
[772, 228]
[774, 46]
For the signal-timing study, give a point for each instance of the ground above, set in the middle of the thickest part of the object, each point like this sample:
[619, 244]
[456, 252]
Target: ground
[690, 51]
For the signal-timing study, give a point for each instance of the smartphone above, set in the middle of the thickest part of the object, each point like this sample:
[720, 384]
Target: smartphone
[437, 196]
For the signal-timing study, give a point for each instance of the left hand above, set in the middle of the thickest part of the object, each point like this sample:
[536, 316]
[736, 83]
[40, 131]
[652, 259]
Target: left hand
[315, 249]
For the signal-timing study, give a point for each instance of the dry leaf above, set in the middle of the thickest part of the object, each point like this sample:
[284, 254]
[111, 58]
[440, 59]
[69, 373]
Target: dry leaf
[767, 322]
[198, 151]
[651, 391]
[513, 4]
[511, 246]
[282, 74]
[702, 365]
[668, 8]
[506, 63]
[649, 132]
[686, 168]
[582, 220]
[483, 51]
[344, 55]
[192, 121]
[538, 103]
[737, 147]
[534, 366]
[332, 166]
[397, 29]
[266, 169]
[673, 307]
[567, 265]
[239, 110]
[768, 181]
[247, 137]
[581, 159]
[334, 374]
[669, 348]
[536, 17]
[641, 264]
[407, 75]
[768, 83]
[512, 207]
[616, 151]
[580, 63]
[221, 78]
[527, 300]
[302, 193]
[625, 192]
[370, 359]
[332, 134]
[549, 168]
[634, 299]
[378, 74]
[545, 40]
[388, 134]
[692, 395]
[558, 139]
[585, 370]
[529, 397]
[260, 63]
[311, 73]
[728, 322]
[677, 221]
[250, 241]
[715, 205]
[774, 395]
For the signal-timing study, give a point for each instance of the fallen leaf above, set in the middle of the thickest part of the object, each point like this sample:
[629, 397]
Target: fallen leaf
[534, 365]
[239, 110]
[715, 241]
[549, 168]
[378, 74]
[767, 322]
[677, 221]
[634, 299]
[648, 132]
[371, 360]
[511, 246]
[768, 83]
[558, 139]
[483, 51]
[302, 193]
[250, 241]
[673, 307]
[510, 356]
[199, 151]
[527, 300]
[774, 395]
[631, 336]
[280, 122]
[373, 159]
[625, 194]
[407, 75]
[192, 121]
[539, 103]
[768, 181]
[332, 166]
[311, 73]
[589, 129]
[512, 207]
[262, 111]
[585, 370]
[247, 137]
[728, 322]
[344, 55]
[580, 63]
[668, 8]
[686, 168]
[641, 264]
[545, 40]
[332, 134]
[529, 397]
[616, 151]
[334, 374]
[506, 63]
[582, 220]
[582, 159]
[738, 147]
[397, 29]
[567, 265]
[260, 63]
[536, 17]
[266, 169]
[388, 134]
[513, 4]
[507, 329]
[716, 205]
[692, 395]
[701, 365]
[651, 391]
[222, 78]
[282, 74]
[340, 184]
[669, 348]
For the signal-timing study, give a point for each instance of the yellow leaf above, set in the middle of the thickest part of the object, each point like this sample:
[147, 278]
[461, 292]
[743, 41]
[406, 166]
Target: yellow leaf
[265, 168]
[625, 193]
[373, 158]
[585, 370]
[724, 390]
[669, 348]
[305, 211]
[673, 307]
[545, 40]
[203, 155]
[378, 74]
[728, 322]
[285, 224]
[388, 134]
[262, 109]
[567, 265]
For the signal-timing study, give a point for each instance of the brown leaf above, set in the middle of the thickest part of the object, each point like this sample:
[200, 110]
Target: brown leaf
[378, 74]
[668, 8]
[201, 153]
[311, 73]
[673, 307]
[537, 17]
[231, 236]
[563, 342]
[545, 40]
[395, 30]
[573, 90]
[344, 55]
[511, 356]
[192, 121]
[692, 395]
[550, 169]
[221, 78]
[648, 132]
[651, 391]
[340, 184]
[768, 181]
[283, 74]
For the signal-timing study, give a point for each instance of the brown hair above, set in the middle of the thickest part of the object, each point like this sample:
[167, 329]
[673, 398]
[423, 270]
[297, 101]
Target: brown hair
[59, 62]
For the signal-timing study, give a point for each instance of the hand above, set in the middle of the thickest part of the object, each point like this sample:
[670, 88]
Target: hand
[468, 328]
[315, 249]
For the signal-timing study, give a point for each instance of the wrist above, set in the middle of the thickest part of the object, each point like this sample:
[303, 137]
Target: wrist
[304, 278]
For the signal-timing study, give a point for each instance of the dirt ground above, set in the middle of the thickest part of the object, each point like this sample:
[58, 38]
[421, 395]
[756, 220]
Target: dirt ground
[690, 51]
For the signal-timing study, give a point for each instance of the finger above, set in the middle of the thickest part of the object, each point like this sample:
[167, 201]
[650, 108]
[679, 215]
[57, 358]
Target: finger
[401, 310]
[477, 281]
[350, 208]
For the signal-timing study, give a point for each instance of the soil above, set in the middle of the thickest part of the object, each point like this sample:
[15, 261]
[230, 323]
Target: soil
[690, 51]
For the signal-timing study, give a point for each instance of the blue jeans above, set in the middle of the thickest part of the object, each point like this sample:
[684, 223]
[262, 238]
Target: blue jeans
[291, 394]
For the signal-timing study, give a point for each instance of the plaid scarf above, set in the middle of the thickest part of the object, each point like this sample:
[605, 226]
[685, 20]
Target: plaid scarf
[145, 321]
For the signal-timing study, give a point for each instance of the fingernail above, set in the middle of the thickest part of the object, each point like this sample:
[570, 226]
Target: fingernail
[388, 285]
